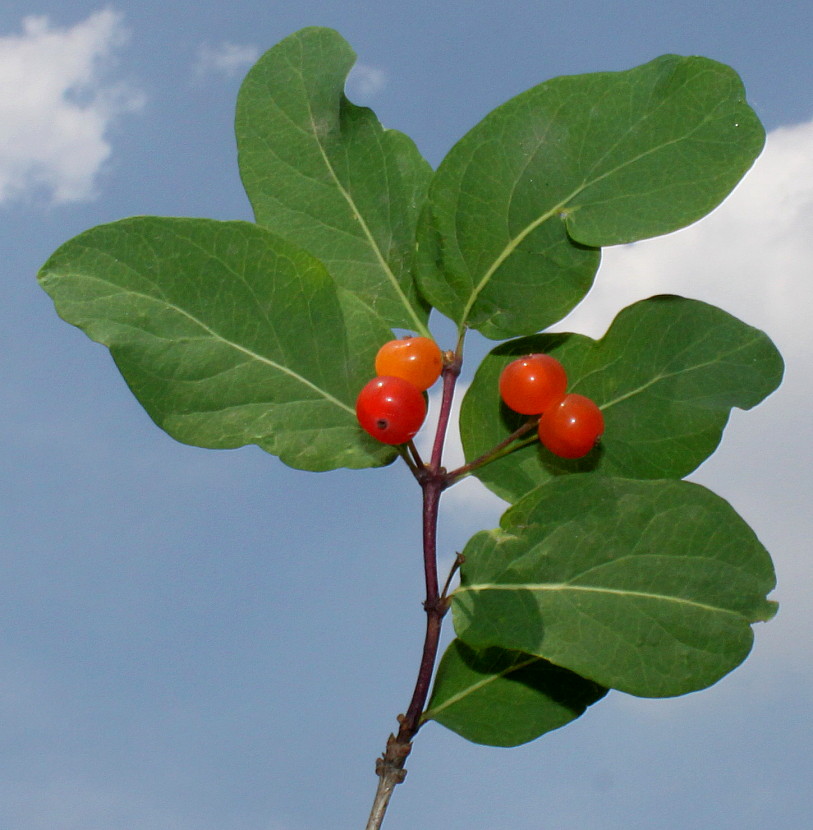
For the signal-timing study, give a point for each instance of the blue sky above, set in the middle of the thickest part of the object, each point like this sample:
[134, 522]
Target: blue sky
[198, 640]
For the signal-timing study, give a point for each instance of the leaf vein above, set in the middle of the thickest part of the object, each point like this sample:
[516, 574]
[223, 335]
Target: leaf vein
[566, 587]
[236, 346]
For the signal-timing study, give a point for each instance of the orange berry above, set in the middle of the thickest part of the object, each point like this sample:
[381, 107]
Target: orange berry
[416, 359]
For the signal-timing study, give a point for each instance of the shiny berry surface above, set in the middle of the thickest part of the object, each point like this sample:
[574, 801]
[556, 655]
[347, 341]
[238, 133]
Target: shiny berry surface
[532, 384]
[416, 359]
[390, 409]
[571, 428]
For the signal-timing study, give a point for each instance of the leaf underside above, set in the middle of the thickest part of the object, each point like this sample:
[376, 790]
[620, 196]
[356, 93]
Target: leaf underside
[649, 587]
[324, 174]
[226, 334]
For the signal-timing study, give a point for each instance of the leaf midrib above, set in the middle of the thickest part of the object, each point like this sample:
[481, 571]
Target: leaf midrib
[475, 687]
[568, 587]
[419, 325]
[683, 371]
[219, 337]
[514, 243]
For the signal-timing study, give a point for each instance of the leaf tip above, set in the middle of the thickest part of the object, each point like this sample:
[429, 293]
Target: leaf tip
[766, 611]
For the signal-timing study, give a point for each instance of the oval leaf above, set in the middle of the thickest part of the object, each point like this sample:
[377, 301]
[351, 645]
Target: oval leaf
[226, 334]
[326, 175]
[516, 210]
[505, 698]
[649, 587]
[666, 375]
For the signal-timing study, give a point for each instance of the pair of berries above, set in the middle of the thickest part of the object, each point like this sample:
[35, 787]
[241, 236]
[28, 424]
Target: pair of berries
[570, 425]
[392, 406]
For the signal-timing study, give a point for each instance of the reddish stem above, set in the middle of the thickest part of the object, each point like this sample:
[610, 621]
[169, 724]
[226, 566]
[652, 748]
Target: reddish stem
[433, 480]
[434, 613]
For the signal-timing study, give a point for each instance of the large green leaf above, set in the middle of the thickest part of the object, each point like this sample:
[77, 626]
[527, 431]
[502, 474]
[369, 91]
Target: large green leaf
[324, 174]
[505, 698]
[226, 334]
[507, 243]
[649, 587]
[666, 375]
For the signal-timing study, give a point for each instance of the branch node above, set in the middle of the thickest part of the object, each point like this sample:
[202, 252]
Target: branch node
[391, 764]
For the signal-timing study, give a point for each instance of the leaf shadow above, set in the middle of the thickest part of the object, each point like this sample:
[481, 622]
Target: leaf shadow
[562, 686]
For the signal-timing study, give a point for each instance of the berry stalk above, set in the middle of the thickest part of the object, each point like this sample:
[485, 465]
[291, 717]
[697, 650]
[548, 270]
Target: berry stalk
[495, 452]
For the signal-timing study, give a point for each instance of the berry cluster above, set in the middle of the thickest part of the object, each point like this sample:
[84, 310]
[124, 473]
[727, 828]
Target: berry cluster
[569, 425]
[392, 407]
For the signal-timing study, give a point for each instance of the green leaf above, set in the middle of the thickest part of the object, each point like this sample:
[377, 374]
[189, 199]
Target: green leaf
[226, 334]
[324, 174]
[505, 698]
[649, 587]
[507, 243]
[666, 375]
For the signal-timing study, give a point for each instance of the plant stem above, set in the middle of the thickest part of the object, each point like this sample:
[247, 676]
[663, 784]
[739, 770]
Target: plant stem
[433, 480]
[450, 375]
[390, 766]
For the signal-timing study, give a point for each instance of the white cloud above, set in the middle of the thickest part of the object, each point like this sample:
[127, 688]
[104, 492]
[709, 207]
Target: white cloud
[752, 256]
[56, 106]
[227, 58]
[365, 81]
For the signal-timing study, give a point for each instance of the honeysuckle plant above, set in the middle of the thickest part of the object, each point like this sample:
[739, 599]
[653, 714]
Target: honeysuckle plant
[608, 571]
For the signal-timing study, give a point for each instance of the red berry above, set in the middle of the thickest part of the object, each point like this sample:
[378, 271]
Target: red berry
[391, 409]
[572, 427]
[416, 359]
[532, 384]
